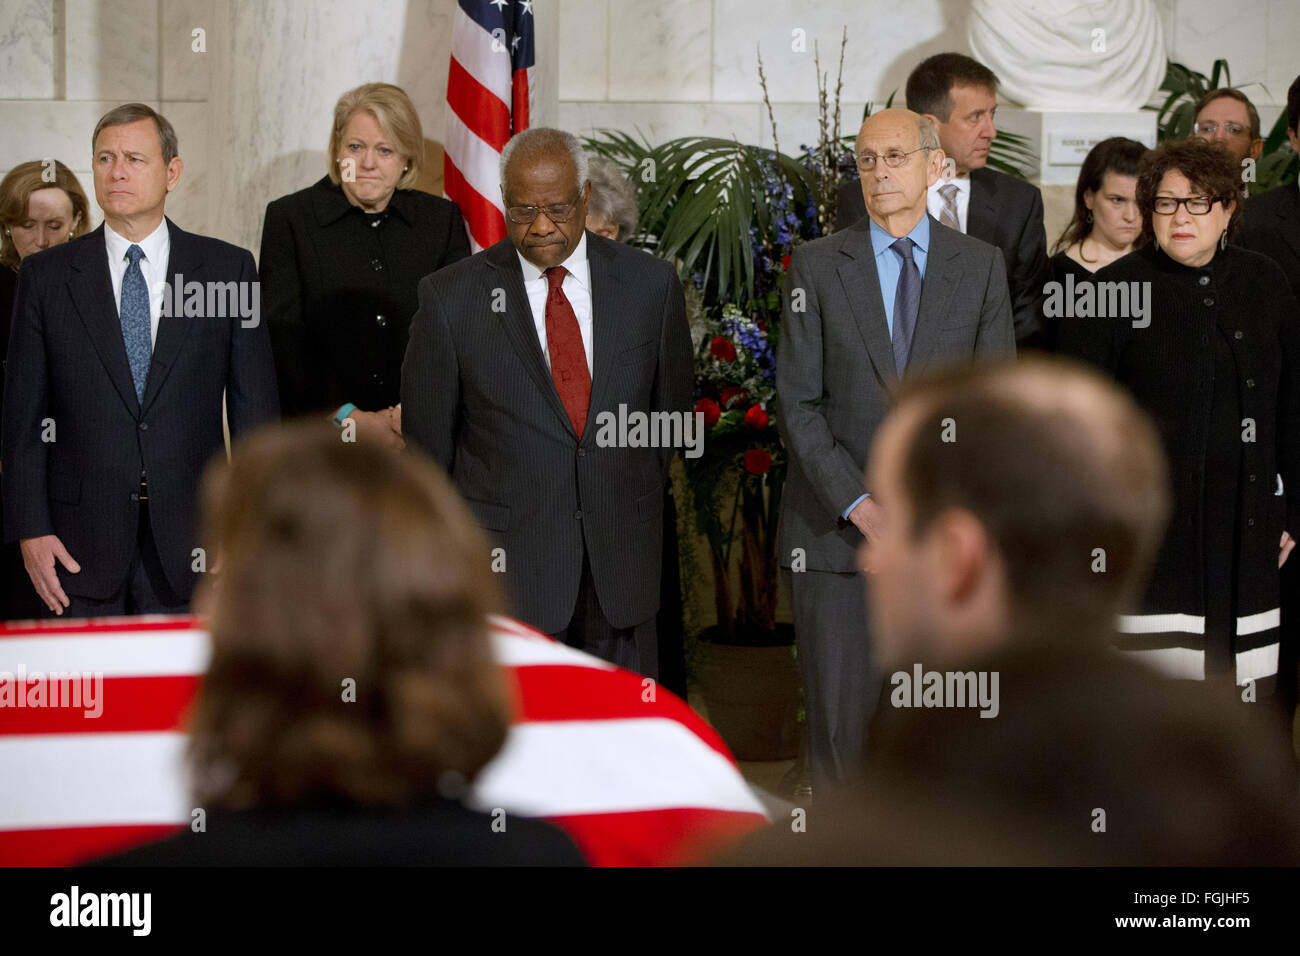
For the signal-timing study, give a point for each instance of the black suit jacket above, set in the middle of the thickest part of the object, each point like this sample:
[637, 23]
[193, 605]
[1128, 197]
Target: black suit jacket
[1272, 226]
[340, 293]
[835, 369]
[478, 396]
[1005, 212]
[67, 370]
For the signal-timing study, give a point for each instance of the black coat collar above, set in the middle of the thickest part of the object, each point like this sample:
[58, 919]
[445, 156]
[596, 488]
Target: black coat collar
[331, 205]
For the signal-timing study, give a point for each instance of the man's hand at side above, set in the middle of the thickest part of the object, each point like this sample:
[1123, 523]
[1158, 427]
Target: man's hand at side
[39, 556]
[867, 517]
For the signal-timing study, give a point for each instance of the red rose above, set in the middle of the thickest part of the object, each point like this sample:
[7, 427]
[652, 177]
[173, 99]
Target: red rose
[710, 409]
[785, 261]
[756, 418]
[733, 394]
[758, 461]
[722, 349]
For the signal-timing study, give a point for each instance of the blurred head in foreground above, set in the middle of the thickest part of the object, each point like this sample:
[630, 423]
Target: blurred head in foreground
[1023, 501]
[1023, 504]
[341, 566]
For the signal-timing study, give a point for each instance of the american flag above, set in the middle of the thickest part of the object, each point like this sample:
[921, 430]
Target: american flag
[632, 780]
[489, 98]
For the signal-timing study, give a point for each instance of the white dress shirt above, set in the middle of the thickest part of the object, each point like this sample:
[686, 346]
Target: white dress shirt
[934, 198]
[576, 288]
[157, 248]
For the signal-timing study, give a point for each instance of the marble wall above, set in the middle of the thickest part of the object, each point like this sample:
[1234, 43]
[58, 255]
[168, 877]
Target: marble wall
[252, 108]
[683, 66]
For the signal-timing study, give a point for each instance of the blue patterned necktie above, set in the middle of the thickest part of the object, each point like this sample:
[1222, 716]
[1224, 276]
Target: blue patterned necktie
[134, 313]
[907, 302]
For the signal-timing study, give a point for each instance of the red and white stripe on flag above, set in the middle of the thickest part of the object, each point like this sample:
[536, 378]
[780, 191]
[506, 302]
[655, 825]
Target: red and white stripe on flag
[489, 98]
[632, 781]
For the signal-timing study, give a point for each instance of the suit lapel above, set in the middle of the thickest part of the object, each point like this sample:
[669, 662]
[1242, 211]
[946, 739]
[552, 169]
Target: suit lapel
[861, 285]
[184, 264]
[92, 295]
[518, 322]
[982, 214]
[606, 332]
[936, 291]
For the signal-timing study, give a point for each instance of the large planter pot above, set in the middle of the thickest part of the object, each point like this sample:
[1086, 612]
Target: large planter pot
[752, 696]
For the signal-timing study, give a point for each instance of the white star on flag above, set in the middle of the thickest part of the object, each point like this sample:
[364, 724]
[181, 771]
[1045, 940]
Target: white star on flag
[527, 5]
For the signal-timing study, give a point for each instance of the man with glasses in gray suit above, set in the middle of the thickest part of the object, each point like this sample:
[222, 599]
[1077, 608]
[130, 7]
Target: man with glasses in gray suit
[893, 295]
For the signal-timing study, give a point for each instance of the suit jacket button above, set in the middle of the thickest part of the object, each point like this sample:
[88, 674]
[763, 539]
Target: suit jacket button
[135, 496]
[578, 515]
[1250, 383]
[377, 265]
[1250, 522]
[144, 426]
[381, 320]
[582, 453]
[1237, 334]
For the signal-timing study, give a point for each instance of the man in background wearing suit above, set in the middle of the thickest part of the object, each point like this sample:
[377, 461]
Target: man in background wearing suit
[894, 294]
[123, 344]
[959, 95]
[514, 354]
[1272, 226]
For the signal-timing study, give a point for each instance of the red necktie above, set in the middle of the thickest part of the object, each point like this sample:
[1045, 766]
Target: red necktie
[568, 358]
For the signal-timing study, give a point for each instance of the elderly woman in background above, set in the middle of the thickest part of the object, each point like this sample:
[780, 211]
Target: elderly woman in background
[41, 205]
[1209, 345]
[341, 261]
[611, 210]
[352, 693]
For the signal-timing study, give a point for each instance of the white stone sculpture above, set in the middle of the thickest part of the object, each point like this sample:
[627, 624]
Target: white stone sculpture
[1089, 55]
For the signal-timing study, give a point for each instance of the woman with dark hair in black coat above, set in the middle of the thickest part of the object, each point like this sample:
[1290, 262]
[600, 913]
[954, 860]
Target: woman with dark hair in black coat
[1106, 224]
[1209, 345]
[341, 261]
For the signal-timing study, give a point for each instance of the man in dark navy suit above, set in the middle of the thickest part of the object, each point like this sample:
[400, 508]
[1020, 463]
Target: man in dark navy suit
[123, 344]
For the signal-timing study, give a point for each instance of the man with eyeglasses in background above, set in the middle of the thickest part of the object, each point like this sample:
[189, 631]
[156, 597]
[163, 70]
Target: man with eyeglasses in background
[892, 295]
[1229, 118]
[514, 354]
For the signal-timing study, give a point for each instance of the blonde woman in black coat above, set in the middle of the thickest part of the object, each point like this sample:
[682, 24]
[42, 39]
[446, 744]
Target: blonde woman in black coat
[342, 258]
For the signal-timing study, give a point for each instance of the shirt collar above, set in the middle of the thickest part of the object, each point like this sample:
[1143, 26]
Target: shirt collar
[920, 234]
[961, 182]
[576, 264]
[155, 245]
[332, 205]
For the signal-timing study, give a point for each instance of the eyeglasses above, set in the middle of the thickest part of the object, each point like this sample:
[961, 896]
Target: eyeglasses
[893, 158]
[1209, 129]
[1196, 205]
[560, 212]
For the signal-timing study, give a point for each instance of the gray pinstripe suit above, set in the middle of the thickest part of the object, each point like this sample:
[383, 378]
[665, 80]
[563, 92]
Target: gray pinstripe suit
[835, 372]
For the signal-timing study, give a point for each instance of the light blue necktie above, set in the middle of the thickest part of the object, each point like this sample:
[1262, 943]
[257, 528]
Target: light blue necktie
[134, 313]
